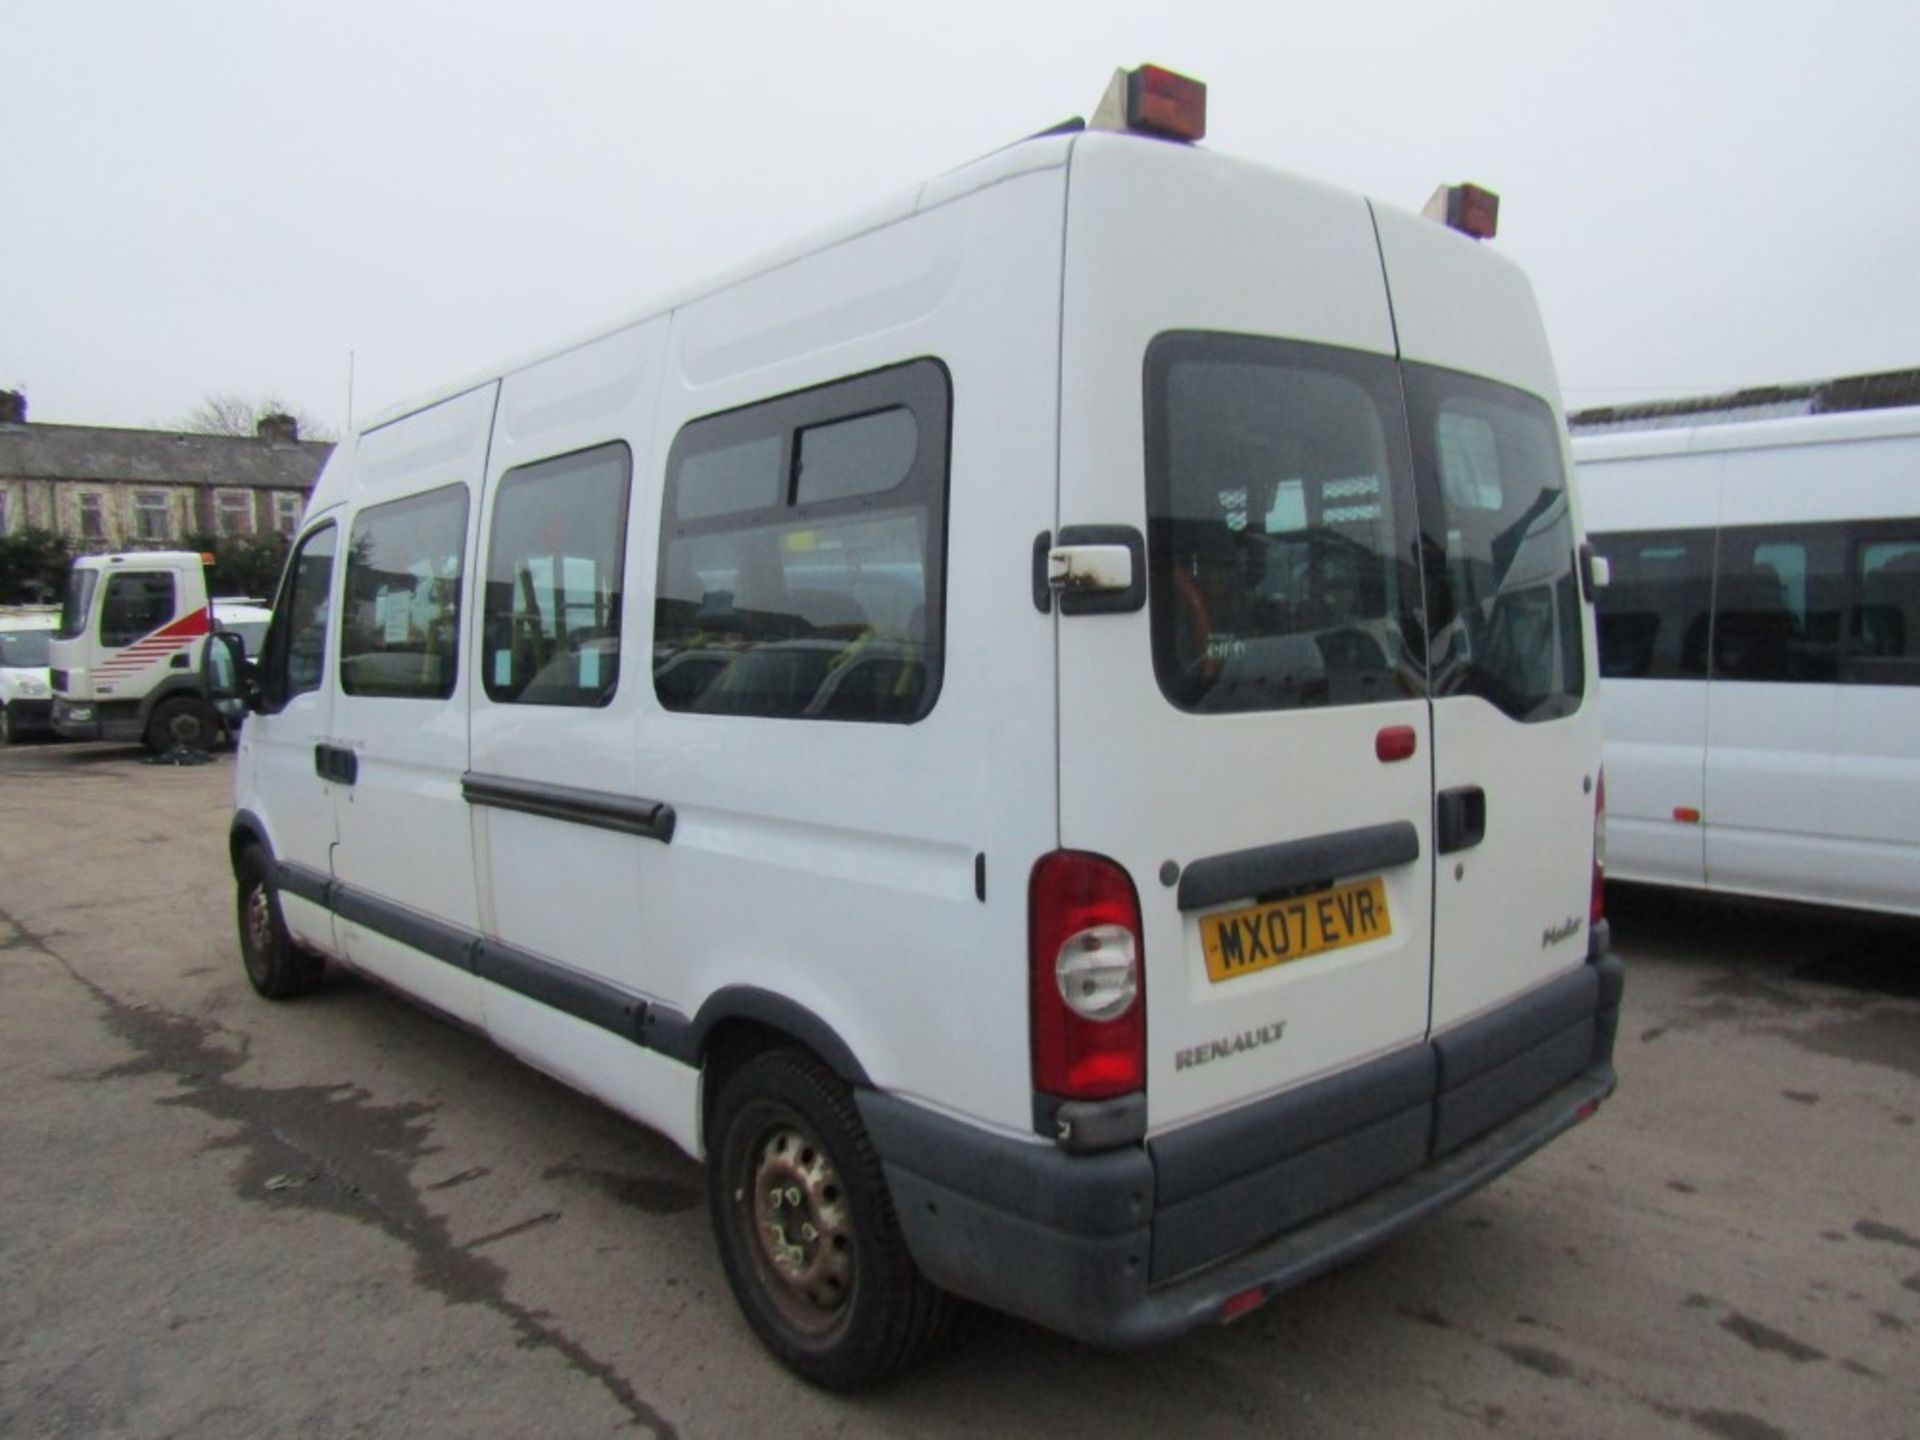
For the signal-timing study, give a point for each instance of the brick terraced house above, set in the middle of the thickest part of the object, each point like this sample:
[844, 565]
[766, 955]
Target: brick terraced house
[106, 488]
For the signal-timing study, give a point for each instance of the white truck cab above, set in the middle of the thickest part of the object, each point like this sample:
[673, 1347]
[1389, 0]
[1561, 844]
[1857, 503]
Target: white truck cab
[1050, 736]
[124, 656]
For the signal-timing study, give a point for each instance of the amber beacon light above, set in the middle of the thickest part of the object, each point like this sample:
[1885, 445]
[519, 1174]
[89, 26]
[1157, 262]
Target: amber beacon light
[1152, 101]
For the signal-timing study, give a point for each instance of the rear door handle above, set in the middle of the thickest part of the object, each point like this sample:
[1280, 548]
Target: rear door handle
[1460, 819]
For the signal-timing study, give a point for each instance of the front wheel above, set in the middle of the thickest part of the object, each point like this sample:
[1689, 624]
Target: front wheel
[183, 720]
[807, 1230]
[276, 967]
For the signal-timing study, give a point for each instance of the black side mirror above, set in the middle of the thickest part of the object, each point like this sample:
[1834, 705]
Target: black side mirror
[226, 674]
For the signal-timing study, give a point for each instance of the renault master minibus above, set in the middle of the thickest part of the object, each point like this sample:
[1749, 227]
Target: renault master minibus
[1048, 735]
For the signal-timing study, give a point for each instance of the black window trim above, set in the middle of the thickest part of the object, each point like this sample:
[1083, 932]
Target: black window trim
[278, 641]
[923, 386]
[1851, 667]
[485, 573]
[418, 498]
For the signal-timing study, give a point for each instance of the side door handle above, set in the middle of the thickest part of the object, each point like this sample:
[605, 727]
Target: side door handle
[1460, 819]
[336, 763]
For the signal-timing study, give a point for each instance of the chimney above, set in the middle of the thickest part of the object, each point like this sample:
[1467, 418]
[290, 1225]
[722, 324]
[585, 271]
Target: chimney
[278, 429]
[13, 407]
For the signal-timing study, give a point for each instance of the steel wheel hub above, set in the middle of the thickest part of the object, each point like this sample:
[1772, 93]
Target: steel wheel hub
[801, 1220]
[260, 921]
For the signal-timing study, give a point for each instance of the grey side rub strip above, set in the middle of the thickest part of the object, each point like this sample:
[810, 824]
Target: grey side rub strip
[653, 819]
[1292, 864]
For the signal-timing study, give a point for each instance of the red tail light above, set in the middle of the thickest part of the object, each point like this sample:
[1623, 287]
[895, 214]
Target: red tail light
[1599, 909]
[1088, 1006]
[1163, 103]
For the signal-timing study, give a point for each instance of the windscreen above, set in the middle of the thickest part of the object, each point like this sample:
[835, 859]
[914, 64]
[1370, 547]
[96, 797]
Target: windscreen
[24, 649]
[1281, 529]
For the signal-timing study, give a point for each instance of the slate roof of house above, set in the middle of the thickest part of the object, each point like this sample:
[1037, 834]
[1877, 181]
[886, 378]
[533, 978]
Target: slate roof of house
[1880, 391]
[156, 457]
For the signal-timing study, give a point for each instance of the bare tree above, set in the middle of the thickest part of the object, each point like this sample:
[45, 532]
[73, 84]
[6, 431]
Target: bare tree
[225, 413]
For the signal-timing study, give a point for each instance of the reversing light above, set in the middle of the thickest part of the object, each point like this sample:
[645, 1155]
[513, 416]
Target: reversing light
[1467, 208]
[1088, 1014]
[1150, 100]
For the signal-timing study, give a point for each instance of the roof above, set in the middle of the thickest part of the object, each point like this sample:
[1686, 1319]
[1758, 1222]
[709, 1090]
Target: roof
[156, 457]
[1884, 390]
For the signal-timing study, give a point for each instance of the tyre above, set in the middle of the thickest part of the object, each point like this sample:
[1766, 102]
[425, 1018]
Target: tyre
[182, 720]
[807, 1230]
[277, 968]
[6, 725]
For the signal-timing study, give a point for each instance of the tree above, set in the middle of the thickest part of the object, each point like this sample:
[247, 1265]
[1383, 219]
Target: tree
[242, 564]
[33, 566]
[225, 413]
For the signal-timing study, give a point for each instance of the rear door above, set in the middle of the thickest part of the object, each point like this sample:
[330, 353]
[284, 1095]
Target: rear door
[1259, 731]
[1516, 736]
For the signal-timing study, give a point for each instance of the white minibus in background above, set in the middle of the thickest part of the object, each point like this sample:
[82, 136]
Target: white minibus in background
[1760, 648]
[1049, 734]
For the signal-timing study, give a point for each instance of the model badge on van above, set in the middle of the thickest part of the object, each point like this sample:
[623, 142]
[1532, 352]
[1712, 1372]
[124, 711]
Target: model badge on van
[1565, 930]
[1233, 1045]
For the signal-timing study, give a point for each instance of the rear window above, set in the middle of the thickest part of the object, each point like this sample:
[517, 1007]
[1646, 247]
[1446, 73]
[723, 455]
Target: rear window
[1280, 526]
[1504, 618]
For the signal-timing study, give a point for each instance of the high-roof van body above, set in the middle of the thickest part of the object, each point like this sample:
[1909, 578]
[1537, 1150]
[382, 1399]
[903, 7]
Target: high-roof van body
[1761, 648]
[1049, 734]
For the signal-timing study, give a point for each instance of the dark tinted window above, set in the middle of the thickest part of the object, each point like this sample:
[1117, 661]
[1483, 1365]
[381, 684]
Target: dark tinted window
[802, 554]
[400, 635]
[1654, 615]
[1883, 631]
[1278, 510]
[1777, 603]
[1503, 603]
[138, 603]
[294, 652]
[552, 621]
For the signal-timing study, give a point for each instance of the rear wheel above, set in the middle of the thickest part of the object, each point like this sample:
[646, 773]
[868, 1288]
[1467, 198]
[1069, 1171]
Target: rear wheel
[183, 720]
[276, 967]
[6, 725]
[807, 1230]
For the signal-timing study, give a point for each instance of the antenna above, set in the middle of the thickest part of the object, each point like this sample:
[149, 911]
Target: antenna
[349, 392]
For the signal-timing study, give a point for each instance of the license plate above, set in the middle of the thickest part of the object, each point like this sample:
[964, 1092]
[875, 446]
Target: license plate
[1241, 942]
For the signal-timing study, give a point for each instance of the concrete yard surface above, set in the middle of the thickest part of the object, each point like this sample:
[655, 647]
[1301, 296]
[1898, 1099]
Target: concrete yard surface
[342, 1216]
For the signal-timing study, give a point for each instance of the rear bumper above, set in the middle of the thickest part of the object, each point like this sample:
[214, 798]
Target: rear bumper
[1145, 1243]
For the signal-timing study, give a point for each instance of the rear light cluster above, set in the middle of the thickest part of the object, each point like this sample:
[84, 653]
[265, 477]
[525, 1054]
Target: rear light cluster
[1084, 960]
[1470, 209]
[1599, 908]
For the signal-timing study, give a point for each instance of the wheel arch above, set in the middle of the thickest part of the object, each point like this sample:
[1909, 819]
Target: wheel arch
[247, 830]
[737, 1022]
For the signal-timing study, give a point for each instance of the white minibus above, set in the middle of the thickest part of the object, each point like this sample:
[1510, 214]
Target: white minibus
[1050, 735]
[1760, 643]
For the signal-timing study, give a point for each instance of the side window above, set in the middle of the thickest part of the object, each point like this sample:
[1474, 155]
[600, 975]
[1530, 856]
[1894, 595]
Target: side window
[802, 553]
[1655, 614]
[293, 654]
[400, 635]
[552, 608]
[1777, 603]
[138, 603]
[1278, 511]
[1883, 624]
[1504, 605]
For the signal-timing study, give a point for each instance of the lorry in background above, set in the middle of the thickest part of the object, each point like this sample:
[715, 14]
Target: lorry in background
[124, 654]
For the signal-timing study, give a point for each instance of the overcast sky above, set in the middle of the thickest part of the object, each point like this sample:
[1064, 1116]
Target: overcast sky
[200, 197]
